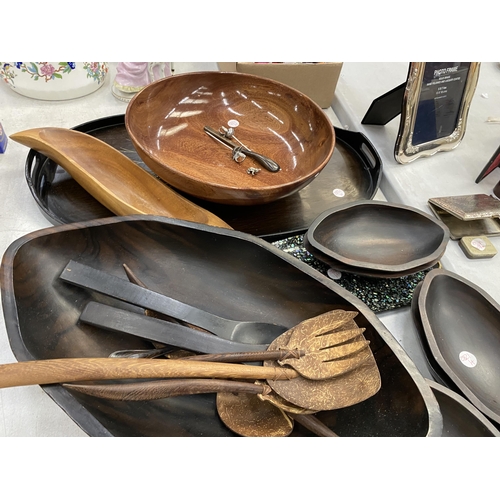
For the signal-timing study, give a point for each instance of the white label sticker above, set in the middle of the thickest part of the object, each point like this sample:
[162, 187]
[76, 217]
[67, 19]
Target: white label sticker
[468, 359]
[338, 193]
[233, 123]
[478, 243]
[334, 274]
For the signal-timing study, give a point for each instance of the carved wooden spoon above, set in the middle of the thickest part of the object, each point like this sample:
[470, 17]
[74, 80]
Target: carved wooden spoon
[112, 178]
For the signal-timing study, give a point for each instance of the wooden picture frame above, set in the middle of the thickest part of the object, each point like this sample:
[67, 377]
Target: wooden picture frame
[435, 106]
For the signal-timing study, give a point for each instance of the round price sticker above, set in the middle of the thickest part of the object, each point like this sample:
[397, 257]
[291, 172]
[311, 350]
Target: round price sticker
[468, 359]
[478, 243]
[334, 274]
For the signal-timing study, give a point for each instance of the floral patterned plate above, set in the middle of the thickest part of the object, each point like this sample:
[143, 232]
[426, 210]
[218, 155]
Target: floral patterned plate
[54, 80]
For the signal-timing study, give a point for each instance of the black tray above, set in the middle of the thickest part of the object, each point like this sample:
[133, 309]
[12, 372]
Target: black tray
[226, 272]
[355, 168]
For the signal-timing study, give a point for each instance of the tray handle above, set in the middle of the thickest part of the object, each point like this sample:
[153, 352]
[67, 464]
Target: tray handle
[362, 146]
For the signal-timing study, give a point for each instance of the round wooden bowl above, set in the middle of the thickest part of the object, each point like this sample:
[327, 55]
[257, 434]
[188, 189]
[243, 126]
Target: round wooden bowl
[166, 123]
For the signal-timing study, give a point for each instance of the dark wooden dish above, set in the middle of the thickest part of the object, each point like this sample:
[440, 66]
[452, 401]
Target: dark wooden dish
[460, 418]
[461, 324]
[354, 171]
[224, 271]
[361, 271]
[166, 123]
[379, 236]
[435, 370]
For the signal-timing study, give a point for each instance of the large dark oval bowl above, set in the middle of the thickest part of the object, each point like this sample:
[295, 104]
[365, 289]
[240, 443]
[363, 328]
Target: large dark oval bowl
[166, 121]
[461, 323]
[460, 418]
[379, 236]
[227, 272]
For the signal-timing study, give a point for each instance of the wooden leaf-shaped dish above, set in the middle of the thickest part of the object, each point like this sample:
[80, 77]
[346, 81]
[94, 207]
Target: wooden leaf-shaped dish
[379, 236]
[111, 177]
[461, 323]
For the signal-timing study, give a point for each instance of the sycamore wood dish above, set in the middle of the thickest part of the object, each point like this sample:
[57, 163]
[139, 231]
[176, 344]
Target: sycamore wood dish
[166, 122]
[112, 178]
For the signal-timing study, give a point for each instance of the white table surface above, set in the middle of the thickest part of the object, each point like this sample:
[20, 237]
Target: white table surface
[28, 411]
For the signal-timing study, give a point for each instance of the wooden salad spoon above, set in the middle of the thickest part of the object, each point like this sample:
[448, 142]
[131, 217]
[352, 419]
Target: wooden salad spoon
[112, 178]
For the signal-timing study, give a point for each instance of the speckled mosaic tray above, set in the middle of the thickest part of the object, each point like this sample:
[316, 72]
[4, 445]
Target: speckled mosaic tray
[379, 294]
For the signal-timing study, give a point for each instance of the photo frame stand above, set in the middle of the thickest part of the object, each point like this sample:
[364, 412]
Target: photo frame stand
[433, 103]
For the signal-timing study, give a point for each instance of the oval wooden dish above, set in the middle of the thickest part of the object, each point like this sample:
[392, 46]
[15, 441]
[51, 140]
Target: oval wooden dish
[461, 333]
[461, 418]
[111, 177]
[225, 272]
[166, 122]
[378, 238]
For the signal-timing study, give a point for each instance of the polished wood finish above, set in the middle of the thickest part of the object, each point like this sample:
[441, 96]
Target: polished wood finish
[166, 123]
[363, 271]
[460, 417]
[111, 177]
[58, 371]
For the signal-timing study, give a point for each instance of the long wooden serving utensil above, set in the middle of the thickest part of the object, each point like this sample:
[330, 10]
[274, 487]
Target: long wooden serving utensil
[241, 412]
[304, 395]
[332, 351]
[79, 274]
[112, 178]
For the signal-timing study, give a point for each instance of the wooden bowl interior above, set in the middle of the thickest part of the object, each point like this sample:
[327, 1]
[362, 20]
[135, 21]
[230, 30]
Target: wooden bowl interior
[460, 418]
[165, 122]
[224, 272]
[457, 318]
[378, 236]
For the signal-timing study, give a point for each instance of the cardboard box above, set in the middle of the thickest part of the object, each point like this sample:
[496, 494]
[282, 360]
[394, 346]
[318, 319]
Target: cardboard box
[316, 80]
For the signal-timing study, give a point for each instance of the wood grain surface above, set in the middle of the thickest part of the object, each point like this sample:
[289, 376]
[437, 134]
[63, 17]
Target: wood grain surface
[111, 177]
[166, 123]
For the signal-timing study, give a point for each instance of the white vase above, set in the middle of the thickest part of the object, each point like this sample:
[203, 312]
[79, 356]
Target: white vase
[54, 81]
